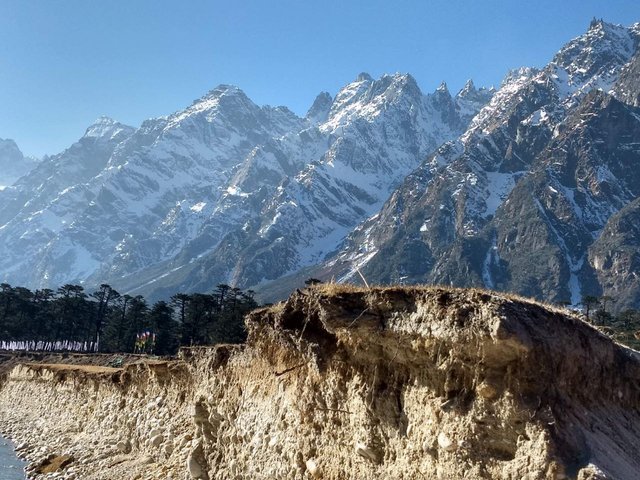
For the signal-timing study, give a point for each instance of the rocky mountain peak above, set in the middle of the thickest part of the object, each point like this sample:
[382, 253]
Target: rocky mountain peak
[228, 107]
[470, 100]
[597, 54]
[443, 102]
[443, 89]
[320, 108]
[519, 75]
[478, 96]
[222, 94]
[220, 90]
[370, 97]
[595, 23]
[468, 89]
[105, 127]
[397, 84]
[9, 149]
[13, 164]
[364, 77]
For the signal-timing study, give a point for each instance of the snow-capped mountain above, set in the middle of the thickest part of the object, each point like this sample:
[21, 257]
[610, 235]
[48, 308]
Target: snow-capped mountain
[13, 164]
[294, 198]
[532, 188]
[524, 200]
[223, 191]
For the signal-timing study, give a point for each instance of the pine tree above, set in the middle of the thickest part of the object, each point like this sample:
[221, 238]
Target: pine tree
[165, 328]
[104, 295]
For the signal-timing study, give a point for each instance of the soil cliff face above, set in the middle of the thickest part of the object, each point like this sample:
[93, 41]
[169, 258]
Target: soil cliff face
[341, 383]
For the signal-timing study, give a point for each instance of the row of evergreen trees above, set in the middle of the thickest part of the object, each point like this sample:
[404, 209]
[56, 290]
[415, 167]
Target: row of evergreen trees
[623, 326]
[122, 323]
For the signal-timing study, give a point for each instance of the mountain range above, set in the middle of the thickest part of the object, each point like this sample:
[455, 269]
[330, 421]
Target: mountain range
[532, 188]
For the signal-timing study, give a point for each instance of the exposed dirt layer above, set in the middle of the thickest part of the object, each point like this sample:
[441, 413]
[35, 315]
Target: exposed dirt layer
[341, 383]
[9, 359]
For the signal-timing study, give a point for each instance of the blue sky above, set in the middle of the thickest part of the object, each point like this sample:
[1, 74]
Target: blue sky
[64, 63]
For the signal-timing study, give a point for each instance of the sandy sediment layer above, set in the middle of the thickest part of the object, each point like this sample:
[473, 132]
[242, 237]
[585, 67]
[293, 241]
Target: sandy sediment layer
[341, 383]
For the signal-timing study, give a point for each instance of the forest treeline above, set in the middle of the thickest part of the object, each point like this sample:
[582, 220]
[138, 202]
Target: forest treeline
[113, 322]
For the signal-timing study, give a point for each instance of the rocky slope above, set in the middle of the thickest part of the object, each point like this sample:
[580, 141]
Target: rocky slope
[521, 201]
[342, 383]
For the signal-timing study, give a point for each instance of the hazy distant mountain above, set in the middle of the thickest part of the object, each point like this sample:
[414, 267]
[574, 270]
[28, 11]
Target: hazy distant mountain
[13, 164]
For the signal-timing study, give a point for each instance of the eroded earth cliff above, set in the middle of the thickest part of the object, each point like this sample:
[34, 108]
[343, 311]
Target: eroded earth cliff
[338, 383]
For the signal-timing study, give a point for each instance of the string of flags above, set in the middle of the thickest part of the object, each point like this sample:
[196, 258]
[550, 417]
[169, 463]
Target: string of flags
[145, 342]
[49, 346]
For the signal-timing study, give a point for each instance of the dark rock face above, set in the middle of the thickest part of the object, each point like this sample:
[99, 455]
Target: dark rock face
[615, 256]
[319, 111]
[521, 202]
[628, 87]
